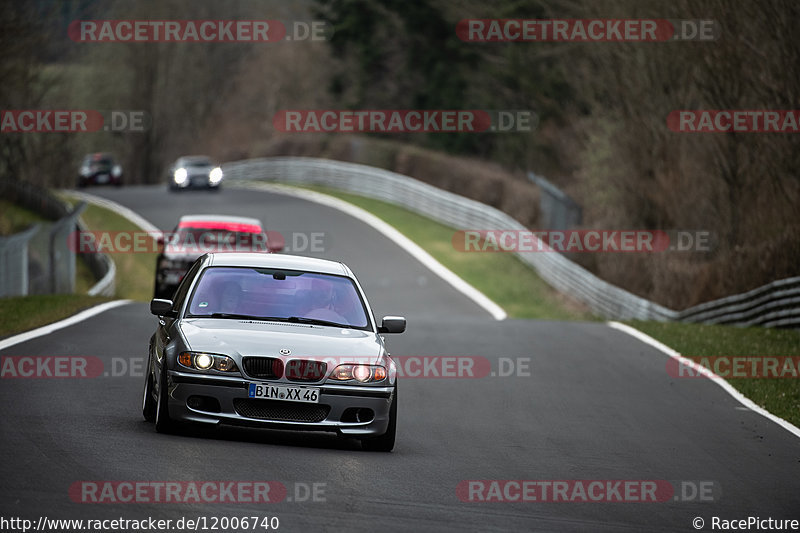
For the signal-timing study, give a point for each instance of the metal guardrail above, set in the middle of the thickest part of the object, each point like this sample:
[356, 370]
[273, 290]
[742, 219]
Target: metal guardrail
[53, 251]
[558, 211]
[776, 304]
[14, 262]
[103, 269]
[62, 255]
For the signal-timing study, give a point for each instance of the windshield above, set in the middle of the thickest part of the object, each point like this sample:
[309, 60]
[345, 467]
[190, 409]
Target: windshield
[98, 161]
[291, 296]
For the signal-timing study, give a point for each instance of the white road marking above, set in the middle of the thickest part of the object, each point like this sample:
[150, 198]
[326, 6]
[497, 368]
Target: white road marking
[392, 234]
[727, 387]
[50, 328]
[119, 209]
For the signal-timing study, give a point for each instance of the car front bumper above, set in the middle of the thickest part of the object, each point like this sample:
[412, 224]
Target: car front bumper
[231, 391]
[102, 178]
[196, 182]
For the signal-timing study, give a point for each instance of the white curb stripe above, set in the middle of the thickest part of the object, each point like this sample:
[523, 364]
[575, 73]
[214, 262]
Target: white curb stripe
[727, 387]
[50, 328]
[392, 234]
[119, 209]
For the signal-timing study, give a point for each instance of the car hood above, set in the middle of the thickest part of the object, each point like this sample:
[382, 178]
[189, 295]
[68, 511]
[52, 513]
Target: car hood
[254, 337]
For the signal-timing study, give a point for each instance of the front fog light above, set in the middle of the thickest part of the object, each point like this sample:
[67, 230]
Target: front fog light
[203, 361]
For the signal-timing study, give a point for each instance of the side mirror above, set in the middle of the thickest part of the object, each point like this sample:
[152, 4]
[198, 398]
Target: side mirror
[392, 324]
[161, 307]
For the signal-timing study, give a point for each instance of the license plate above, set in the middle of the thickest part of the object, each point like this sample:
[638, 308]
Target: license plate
[265, 391]
[102, 178]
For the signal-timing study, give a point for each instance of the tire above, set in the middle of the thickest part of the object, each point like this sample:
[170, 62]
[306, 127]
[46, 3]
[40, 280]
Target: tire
[384, 443]
[164, 424]
[148, 402]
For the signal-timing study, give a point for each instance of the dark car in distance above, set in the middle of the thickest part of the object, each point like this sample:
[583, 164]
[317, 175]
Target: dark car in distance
[99, 169]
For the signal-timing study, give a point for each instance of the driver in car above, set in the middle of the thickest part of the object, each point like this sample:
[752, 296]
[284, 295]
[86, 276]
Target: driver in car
[323, 302]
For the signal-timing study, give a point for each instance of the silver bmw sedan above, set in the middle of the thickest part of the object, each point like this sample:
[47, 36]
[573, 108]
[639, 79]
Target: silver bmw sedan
[274, 341]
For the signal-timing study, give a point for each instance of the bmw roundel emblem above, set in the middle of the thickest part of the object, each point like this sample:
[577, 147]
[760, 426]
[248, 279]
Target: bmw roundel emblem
[285, 351]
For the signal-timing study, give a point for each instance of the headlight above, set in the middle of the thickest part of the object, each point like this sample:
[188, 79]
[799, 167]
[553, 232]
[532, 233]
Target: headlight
[203, 361]
[207, 361]
[360, 373]
[215, 176]
[85, 171]
[116, 171]
[180, 175]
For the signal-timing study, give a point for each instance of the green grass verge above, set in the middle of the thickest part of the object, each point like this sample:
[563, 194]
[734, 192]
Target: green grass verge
[15, 218]
[18, 314]
[503, 278]
[780, 396]
[135, 275]
[135, 271]
[23, 313]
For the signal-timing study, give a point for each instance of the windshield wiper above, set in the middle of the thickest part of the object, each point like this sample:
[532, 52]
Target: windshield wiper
[234, 316]
[254, 317]
[317, 321]
[293, 319]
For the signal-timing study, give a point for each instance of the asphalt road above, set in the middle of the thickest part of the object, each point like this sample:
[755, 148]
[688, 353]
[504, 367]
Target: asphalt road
[592, 404]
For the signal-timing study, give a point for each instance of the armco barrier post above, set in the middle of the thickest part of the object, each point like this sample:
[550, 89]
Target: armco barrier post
[14, 262]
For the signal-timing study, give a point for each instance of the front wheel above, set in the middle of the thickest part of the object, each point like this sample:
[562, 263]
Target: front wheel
[148, 402]
[384, 443]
